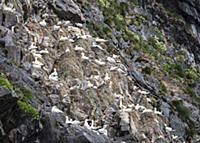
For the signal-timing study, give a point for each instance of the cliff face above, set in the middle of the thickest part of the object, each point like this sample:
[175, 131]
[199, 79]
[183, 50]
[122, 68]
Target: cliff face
[99, 71]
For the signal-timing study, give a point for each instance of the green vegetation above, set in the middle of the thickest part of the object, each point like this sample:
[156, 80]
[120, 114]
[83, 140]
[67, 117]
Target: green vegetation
[139, 20]
[154, 47]
[192, 73]
[23, 104]
[4, 82]
[28, 109]
[154, 41]
[163, 88]
[183, 111]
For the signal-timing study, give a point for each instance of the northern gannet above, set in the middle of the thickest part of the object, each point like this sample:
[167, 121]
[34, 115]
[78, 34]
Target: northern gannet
[54, 75]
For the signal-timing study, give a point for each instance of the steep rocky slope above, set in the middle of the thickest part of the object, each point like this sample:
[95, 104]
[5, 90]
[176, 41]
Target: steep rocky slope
[99, 71]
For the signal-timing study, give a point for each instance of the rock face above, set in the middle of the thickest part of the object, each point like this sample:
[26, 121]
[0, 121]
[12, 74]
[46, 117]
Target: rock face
[67, 10]
[190, 8]
[77, 71]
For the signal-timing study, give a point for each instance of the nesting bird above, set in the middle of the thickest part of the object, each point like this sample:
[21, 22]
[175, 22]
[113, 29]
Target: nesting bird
[56, 110]
[43, 23]
[54, 75]
[106, 78]
[94, 45]
[37, 63]
[70, 121]
[84, 57]
[32, 46]
[99, 62]
[45, 51]
[103, 130]
[63, 38]
[100, 40]
[87, 125]
[78, 48]
[143, 92]
[111, 60]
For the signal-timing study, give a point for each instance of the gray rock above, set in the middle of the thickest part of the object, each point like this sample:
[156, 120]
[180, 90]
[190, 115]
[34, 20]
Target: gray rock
[95, 15]
[16, 74]
[138, 77]
[197, 89]
[189, 10]
[67, 10]
[10, 19]
[7, 101]
[166, 109]
[1, 16]
[178, 125]
[55, 130]
[55, 99]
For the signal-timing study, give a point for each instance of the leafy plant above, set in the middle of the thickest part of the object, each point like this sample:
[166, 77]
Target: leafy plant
[28, 109]
[4, 82]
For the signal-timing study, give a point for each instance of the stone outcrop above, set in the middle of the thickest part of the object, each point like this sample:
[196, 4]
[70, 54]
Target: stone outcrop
[67, 10]
[77, 71]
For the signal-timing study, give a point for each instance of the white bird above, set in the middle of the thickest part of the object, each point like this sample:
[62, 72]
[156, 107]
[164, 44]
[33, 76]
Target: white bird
[109, 59]
[143, 92]
[113, 68]
[63, 38]
[71, 40]
[157, 112]
[45, 51]
[37, 63]
[45, 15]
[174, 137]
[84, 57]
[87, 125]
[126, 110]
[115, 56]
[103, 130]
[78, 48]
[99, 62]
[59, 23]
[32, 46]
[46, 41]
[70, 121]
[147, 111]
[43, 23]
[118, 96]
[56, 110]
[135, 87]
[121, 103]
[56, 27]
[106, 78]
[85, 37]
[131, 105]
[167, 128]
[66, 23]
[79, 25]
[94, 45]
[121, 71]
[36, 54]
[67, 50]
[149, 100]
[100, 40]
[89, 84]
[54, 75]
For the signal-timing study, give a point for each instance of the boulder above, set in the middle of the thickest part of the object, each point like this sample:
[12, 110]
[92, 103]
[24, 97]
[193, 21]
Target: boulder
[67, 10]
[56, 130]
